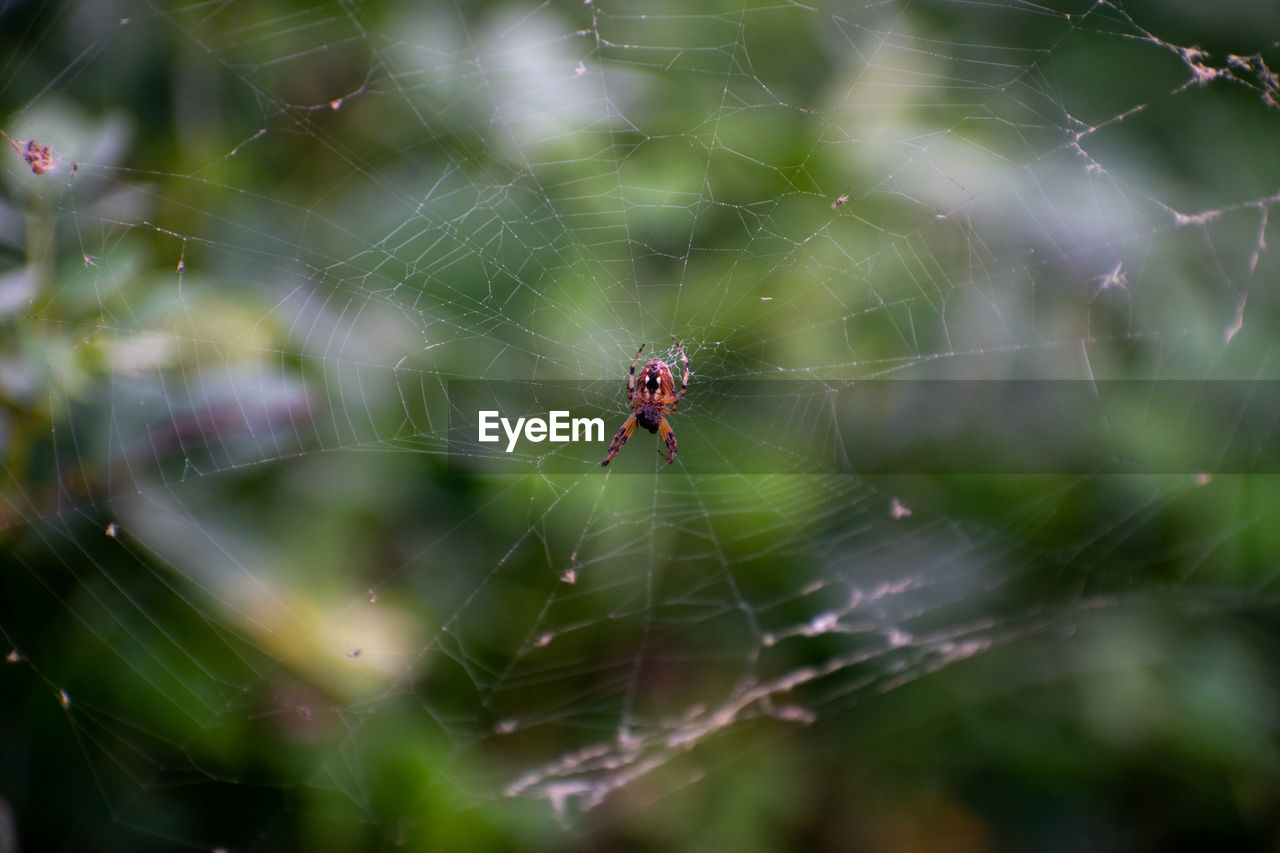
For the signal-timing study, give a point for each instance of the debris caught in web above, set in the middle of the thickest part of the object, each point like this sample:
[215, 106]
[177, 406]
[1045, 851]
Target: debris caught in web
[39, 156]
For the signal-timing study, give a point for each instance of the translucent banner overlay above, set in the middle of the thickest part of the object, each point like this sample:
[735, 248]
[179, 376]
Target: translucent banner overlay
[879, 427]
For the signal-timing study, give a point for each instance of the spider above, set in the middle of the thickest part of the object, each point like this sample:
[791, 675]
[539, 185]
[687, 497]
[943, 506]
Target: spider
[652, 402]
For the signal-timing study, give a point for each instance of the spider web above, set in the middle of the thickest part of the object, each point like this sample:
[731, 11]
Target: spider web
[251, 564]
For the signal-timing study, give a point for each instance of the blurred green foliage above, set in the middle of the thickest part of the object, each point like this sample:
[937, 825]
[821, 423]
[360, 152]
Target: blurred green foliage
[252, 605]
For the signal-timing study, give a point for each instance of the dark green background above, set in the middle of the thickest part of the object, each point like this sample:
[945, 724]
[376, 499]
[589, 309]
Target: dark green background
[252, 606]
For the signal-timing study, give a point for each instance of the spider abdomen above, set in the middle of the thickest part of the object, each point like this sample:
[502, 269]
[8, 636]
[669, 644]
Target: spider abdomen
[656, 382]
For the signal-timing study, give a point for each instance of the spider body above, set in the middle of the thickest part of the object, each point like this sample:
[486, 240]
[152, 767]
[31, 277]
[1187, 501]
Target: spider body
[649, 417]
[651, 399]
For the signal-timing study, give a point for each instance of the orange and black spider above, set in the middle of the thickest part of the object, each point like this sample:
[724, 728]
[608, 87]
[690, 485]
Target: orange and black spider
[651, 402]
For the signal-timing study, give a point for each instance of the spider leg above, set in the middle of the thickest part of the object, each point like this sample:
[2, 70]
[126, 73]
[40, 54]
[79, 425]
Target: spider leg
[669, 436]
[620, 438]
[631, 377]
[684, 382]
